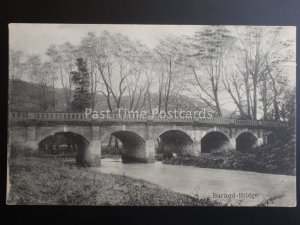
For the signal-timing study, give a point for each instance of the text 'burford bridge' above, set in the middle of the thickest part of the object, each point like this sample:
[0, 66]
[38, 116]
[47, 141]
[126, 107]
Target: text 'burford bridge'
[67, 116]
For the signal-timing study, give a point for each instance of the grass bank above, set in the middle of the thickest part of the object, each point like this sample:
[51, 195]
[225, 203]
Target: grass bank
[57, 181]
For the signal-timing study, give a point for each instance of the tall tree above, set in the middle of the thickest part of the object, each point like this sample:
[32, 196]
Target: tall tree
[16, 71]
[208, 50]
[38, 73]
[139, 77]
[261, 59]
[168, 57]
[81, 79]
[234, 85]
[69, 55]
[51, 72]
[111, 56]
[88, 49]
[16, 64]
[63, 58]
[33, 67]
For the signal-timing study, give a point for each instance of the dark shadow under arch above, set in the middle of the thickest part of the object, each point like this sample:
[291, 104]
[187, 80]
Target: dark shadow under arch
[271, 138]
[245, 142]
[133, 146]
[174, 142]
[60, 143]
[213, 141]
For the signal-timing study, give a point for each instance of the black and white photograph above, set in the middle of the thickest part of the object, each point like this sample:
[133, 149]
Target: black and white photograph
[151, 115]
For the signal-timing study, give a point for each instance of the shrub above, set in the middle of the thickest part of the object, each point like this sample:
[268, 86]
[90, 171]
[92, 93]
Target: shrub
[278, 158]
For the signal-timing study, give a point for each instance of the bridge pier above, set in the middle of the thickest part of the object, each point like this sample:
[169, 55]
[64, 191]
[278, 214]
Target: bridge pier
[94, 150]
[150, 142]
[94, 153]
[31, 143]
[232, 143]
[150, 150]
[197, 148]
[260, 139]
[232, 139]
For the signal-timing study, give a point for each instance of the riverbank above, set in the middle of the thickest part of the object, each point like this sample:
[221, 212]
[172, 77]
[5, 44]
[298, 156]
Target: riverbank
[55, 181]
[275, 159]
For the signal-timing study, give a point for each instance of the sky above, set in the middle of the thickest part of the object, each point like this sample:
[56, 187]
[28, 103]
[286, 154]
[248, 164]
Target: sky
[36, 38]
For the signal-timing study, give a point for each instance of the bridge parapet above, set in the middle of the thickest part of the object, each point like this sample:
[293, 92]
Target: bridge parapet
[66, 116]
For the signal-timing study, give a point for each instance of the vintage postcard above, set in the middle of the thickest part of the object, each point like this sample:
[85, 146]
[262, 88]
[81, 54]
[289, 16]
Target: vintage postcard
[151, 115]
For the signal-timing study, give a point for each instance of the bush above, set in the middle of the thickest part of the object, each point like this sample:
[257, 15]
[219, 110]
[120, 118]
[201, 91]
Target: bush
[111, 152]
[278, 158]
[17, 151]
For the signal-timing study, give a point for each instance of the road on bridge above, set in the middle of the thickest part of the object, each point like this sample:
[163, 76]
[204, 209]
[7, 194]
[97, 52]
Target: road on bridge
[220, 185]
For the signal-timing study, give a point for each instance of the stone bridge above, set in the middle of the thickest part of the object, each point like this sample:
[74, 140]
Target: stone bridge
[141, 137]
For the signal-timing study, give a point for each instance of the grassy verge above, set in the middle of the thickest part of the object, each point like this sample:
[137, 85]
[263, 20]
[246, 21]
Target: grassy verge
[277, 159]
[59, 182]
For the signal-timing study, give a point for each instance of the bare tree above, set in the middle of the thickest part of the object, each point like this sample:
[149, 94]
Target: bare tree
[39, 73]
[208, 48]
[16, 70]
[260, 52]
[234, 85]
[87, 49]
[275, 83]
[33, 64]
[168, 58]
[63, 60]
[112, 56]
[50, 71]
[16, 64]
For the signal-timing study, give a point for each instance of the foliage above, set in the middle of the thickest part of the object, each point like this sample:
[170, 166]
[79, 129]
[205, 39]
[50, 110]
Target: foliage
[278, 159]
[289, 108]
[80, 78]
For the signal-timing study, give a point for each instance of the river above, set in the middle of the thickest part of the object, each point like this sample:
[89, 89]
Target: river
[237, 188]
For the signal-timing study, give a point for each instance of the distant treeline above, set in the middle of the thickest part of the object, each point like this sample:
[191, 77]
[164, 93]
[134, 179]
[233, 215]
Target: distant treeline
[27, 96]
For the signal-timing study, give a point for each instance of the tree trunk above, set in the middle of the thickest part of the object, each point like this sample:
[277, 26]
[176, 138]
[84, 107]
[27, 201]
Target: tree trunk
[254, 108]
[264, 97]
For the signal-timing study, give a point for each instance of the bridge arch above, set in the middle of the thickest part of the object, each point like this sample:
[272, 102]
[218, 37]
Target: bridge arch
[271, 138]
[214, 140]
[43, 132]
[245, 131]
[75, 144]
[133, 146]
[246, 141]
[170, 128]
[174, 142]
